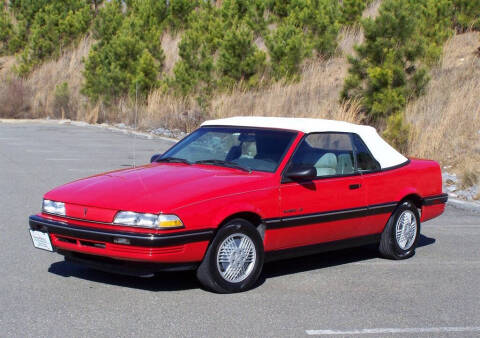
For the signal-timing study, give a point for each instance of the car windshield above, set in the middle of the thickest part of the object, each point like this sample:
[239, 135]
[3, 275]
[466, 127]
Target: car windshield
[236, 147]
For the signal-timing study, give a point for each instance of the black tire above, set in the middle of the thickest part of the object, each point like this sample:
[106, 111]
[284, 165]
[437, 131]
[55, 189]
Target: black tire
[209, 274]
[389, 246]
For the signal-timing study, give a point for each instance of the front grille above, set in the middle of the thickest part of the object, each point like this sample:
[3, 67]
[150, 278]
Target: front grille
[78, 243]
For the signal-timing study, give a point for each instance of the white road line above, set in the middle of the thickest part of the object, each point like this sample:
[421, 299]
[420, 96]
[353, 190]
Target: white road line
[395, 330]
[417, 263]
[65, 159]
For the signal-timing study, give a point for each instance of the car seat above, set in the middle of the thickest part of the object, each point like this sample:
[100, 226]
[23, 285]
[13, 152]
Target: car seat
[344, 164]
[326, 165]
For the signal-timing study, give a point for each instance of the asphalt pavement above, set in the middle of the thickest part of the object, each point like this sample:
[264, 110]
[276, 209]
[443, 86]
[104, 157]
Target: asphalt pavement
[346, 293]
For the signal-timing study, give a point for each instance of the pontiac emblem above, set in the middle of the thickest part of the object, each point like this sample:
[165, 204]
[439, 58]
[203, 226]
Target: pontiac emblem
[85, 211]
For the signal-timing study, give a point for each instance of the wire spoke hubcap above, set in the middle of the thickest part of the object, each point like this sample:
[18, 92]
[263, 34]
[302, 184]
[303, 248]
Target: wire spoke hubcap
[236, 258]
[406, 230]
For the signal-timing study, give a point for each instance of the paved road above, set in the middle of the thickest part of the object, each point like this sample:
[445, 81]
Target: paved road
[40, 295]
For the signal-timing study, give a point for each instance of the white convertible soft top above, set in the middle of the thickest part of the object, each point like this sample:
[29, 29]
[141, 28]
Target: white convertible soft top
[381, 150]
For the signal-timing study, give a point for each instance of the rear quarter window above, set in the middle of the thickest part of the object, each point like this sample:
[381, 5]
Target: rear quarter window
[365, 160]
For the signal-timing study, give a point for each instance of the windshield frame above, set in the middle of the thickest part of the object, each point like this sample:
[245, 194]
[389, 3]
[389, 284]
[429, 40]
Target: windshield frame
[294, 135]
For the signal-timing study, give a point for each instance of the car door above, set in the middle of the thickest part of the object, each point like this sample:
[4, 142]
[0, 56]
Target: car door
[381, 186]
[324, 209]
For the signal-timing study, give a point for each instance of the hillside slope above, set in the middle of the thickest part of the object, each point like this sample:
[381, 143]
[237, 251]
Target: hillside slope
[444, 121]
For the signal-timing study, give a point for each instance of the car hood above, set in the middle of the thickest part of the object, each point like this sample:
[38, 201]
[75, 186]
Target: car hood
[158, 187]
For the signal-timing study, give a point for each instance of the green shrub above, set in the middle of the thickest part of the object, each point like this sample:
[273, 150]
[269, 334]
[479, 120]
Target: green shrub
[397, 132]
[280, 8]
[239, 58]
[128, 57]
[108, 21]
[146, 74]
[27, 9]
[288, 49]
[6, 30]
[467, 15]
[194, 72]
[61, 103]
[54, 26]
[351, 11]
[319, 20]
[178, 12]
[113, 69]
[435, 26]
[388, 70]
[250, 12]
[24, 12]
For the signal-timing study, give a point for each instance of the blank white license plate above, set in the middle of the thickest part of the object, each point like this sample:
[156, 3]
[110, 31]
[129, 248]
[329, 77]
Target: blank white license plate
[41, 240]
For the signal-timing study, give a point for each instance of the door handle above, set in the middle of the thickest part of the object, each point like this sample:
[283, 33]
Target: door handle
[354, 186]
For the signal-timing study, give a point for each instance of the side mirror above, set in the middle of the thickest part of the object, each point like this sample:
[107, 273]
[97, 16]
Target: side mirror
[154, 157]
[301, 173]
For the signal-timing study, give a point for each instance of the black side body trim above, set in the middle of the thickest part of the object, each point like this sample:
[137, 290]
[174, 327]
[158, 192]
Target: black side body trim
[123, 267]
[136, 239]
[292, 221]
[437, 199]
[322, 247]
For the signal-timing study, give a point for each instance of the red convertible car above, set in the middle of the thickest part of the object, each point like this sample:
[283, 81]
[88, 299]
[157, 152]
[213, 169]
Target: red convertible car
[241, 191]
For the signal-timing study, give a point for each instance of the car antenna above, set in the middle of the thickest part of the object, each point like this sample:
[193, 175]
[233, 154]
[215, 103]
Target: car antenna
[135, 125]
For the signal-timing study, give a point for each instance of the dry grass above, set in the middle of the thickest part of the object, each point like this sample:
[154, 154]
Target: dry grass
[372, 9]
[469, 176]
[446, 121]
[170, 49]
[349, 37]
[67, 68]
[6, 64]
[315, 95]
[14, 98]
[169, 112]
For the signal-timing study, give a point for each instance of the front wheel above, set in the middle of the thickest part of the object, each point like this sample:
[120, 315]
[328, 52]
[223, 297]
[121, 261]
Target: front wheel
[234, 259]
[400, 236]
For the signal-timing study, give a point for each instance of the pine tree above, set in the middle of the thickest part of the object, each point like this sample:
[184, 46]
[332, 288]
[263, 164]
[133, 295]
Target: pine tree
[129, 56]
[54, 26]
[108, 21]
[288, 48]
[146, 74]
[467, 15]
[351, 11]
[239, 58]
[386, 65]
[178, 12]
[6, 30]
[319, 20]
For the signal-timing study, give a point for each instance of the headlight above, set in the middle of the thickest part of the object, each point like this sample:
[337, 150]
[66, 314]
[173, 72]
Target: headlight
[136, 219]
[52, 207]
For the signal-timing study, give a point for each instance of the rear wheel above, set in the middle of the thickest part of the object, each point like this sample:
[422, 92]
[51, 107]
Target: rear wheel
[234, 259]
[400, 236]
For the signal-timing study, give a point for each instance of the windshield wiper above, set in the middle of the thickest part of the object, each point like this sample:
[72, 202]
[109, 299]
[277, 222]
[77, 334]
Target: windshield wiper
[225, 164]
[173, 160]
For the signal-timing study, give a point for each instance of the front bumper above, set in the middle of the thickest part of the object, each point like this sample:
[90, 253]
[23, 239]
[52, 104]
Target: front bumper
[176, 247]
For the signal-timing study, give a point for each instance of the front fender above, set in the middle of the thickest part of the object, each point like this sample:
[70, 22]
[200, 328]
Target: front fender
[232, 209]
[211, 213]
